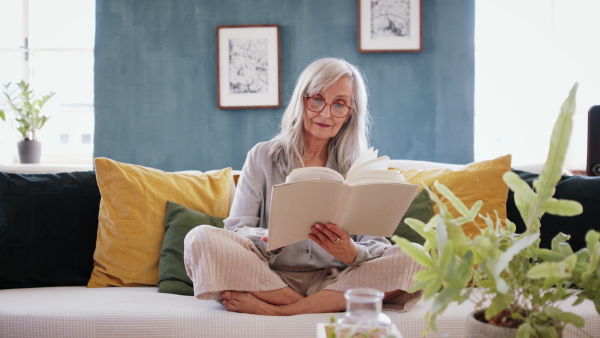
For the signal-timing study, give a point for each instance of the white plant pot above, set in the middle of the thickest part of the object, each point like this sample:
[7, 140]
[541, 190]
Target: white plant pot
[477, 328]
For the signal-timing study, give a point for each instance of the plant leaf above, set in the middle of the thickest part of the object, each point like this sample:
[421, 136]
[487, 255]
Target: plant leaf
[444, 298]
[435, 199]
[427, 274]
[559, 239]
[559, 142]
[566, 317]
[464, 273]
[499, 303]
[447, 260]
[513, 250]
[433, 289]
[441, 234]
[592, 239]
[466, 296]
[549, 255]
[421, 285]
[524, 209]
[468, 215]
[545, 331]
[562, 207]
[483, 248]
[519, 187]
[525, 331]
[414, 252]
[419, 227]
[456, 202]
[549, 269]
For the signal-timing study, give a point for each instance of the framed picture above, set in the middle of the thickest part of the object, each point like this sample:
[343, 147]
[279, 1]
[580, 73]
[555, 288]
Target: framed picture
[389, 26]
[248, 69]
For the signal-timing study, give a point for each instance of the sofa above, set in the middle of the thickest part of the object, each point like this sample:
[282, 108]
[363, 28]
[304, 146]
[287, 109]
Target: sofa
[99, 253]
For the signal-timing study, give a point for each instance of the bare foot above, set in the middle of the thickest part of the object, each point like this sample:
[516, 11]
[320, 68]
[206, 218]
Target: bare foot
[320, 302]
[245, 302]
[283, 296]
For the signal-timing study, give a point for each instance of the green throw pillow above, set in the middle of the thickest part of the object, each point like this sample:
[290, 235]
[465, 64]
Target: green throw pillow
[420, 208]
[179, 221]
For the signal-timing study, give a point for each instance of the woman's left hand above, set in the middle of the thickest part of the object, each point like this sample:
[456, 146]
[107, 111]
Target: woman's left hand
[335, 240]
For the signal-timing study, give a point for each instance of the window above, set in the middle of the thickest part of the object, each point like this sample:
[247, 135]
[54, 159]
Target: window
[528, 54]
[50, 44]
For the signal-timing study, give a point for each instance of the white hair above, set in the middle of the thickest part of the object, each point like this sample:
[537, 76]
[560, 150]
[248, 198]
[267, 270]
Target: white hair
[352, 138]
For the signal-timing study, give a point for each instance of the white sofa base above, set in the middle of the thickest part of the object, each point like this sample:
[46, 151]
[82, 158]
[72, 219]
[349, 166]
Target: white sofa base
[143, 312]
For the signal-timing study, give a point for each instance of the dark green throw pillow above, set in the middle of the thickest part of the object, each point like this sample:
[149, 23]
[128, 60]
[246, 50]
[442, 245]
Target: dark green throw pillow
[420, 208]
[179, 221]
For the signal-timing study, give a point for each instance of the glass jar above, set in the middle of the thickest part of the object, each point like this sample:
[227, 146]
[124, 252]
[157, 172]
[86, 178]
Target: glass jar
[363, 317]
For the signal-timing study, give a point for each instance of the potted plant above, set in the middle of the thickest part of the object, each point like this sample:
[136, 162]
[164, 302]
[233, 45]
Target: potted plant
[519, 283]
[27, 115]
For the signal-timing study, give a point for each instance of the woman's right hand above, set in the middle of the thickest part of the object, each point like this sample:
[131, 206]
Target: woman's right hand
[336, 241]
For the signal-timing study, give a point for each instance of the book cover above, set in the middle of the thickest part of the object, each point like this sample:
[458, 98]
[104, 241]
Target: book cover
[370, 201]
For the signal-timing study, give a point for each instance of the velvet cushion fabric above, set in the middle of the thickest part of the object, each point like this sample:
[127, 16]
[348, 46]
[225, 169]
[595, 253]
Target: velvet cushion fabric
[132, 213]
[179, 221]
[48, 225]
[470, 183]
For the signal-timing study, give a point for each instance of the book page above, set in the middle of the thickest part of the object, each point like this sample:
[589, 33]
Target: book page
[366, 157]
[377, 176]
[314, 173]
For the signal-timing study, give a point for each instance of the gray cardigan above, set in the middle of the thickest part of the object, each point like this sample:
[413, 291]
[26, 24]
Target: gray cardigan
[249, 216]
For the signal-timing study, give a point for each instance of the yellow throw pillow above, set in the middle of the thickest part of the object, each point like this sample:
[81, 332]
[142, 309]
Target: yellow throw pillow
[131, 221]
[476, 181]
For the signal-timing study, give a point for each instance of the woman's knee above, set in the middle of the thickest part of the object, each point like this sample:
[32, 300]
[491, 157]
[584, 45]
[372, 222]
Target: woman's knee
[200, 234]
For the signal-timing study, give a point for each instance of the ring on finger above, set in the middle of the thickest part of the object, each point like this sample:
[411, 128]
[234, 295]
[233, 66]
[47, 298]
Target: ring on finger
[336, 241]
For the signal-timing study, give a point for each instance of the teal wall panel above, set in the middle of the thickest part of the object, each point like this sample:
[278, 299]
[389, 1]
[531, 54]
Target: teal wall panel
[155, 80]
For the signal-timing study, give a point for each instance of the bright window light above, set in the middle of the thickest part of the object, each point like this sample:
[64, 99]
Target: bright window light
[528, 54]
[50, 44]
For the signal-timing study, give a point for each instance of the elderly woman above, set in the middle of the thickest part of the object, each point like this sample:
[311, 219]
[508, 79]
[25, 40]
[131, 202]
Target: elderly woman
[326, 124]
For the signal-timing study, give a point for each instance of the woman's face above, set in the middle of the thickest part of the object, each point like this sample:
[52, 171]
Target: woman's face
[323, 126]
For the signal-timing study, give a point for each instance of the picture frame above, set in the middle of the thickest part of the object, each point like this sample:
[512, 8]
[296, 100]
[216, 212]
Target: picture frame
[390, 26]
[248, 67]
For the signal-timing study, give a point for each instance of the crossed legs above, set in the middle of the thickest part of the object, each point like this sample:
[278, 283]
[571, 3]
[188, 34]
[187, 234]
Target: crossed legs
[246, 269]
[287, 302]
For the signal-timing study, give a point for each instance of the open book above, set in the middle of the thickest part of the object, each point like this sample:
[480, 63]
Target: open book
[371, 200]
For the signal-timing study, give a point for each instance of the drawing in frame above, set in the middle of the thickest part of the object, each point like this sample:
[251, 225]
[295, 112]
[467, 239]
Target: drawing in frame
[389, 26]
[248, 67]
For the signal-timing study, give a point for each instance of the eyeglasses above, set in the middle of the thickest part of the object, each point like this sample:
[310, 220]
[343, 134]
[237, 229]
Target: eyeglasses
[317, 105]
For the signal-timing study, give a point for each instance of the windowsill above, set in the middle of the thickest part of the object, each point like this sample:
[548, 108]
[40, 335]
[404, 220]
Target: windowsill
[43, 168]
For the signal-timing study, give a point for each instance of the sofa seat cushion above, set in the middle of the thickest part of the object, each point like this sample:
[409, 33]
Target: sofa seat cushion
[78, 312]
[48, 225]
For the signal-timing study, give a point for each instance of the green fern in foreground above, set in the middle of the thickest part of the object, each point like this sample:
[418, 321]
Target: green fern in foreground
[523, 284]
